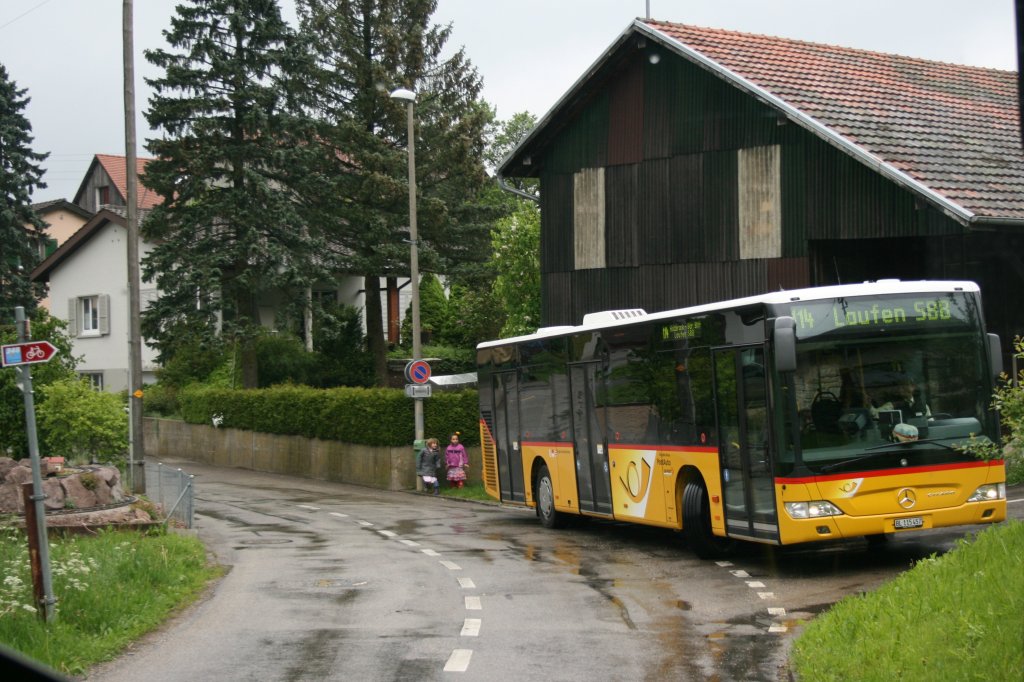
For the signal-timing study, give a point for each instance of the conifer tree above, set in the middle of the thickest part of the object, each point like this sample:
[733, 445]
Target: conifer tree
[232, 225]
[21, 230]
[365, 49]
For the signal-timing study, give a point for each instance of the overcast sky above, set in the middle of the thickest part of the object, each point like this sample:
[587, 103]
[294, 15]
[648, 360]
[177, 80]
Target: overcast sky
[67, 53]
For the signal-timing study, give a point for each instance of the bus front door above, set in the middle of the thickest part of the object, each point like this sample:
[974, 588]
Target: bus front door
[505, 386]
[592, 475]
[747, 482]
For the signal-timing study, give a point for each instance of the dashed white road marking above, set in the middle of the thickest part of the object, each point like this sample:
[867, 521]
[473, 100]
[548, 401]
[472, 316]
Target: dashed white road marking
[458, 662]
[310, 508]
[387, 533]
[1015, 501]
[430, 552]
[411, 543]
[754, 583]
[364, 523]
[473, 604]
[451, 565]
[778, 628]
[339, 515]
[724, 564]
[471, 627]
[740, 574]
[466, 583]
[766, 595]
[776, 611]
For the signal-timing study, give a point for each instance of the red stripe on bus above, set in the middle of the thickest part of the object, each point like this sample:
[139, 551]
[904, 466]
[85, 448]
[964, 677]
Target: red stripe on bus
[890, 472]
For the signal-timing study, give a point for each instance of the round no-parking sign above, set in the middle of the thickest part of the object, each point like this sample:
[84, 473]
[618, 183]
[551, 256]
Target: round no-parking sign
[418, 372]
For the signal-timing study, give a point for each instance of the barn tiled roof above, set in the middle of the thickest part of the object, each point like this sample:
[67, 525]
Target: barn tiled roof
[951, 129]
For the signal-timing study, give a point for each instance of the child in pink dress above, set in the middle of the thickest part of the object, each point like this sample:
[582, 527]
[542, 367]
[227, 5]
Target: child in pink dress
[457, 460]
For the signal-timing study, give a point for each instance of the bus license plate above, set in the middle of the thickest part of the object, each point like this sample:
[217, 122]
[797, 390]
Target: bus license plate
[909, 522]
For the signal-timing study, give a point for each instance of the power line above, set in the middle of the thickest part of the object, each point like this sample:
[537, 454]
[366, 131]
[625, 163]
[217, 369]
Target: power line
[28, 11]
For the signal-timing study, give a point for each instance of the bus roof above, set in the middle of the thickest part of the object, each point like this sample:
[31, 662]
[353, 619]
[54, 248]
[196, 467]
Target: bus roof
[877, 288]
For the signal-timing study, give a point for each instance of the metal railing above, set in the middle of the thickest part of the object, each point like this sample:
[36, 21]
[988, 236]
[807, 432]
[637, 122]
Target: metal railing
[173, 490]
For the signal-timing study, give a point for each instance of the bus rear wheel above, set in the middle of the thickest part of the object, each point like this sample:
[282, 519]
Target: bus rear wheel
[697, 524]
[544, 493]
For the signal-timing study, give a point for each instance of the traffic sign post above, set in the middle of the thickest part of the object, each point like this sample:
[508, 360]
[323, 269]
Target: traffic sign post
[26, 353]
[20, 355]
[417, 371]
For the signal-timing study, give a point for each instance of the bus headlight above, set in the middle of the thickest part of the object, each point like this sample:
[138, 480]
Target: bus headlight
[989, 492]
[812, 510]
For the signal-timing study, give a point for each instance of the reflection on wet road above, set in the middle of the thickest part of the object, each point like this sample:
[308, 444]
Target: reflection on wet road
[333, 582]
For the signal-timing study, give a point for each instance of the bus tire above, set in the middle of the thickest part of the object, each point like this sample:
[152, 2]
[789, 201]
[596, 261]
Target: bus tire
[544, 493]
[697, 524]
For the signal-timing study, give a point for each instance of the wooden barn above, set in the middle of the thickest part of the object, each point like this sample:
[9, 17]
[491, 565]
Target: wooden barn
[689, 165]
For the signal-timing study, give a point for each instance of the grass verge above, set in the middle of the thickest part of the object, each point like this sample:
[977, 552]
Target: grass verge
[954, 617]
[474, 491]
[111, 588]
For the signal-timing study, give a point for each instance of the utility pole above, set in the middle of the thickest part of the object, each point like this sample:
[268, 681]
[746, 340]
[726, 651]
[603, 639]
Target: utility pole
[136, 453]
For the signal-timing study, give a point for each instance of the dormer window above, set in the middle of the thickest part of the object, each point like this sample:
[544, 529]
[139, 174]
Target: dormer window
[102, 196]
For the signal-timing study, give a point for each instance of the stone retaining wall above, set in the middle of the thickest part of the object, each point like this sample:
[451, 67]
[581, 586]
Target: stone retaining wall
[389, 468]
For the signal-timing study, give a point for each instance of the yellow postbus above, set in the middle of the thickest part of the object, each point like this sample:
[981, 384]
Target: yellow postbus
[790, 417]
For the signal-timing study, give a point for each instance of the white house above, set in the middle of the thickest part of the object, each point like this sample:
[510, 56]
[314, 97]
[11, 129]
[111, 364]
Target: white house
[88, 277]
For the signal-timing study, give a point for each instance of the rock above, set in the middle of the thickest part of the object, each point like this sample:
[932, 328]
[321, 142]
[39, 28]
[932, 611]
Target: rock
[11, 498]
[19, 474]
[76, 492]
[55, 497]
[6, 464]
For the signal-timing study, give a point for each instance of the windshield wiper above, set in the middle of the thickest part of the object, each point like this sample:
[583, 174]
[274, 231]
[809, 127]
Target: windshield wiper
[904, 444]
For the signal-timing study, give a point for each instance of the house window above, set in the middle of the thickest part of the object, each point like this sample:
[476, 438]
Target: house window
[102, 196]
[89, 315]
[94, 378]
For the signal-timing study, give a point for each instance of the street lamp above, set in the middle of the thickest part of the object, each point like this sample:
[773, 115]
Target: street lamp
[409, 97]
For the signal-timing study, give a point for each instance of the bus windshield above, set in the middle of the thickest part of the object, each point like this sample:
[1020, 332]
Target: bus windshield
[888, 381]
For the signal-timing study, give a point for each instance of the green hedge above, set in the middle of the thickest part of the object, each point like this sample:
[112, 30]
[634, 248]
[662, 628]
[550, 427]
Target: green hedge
[367, 416]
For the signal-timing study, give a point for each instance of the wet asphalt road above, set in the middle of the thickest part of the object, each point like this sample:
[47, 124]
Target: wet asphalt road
[335, 582]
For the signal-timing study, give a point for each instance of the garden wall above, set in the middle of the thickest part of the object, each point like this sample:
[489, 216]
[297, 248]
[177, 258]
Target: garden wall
[385, 467]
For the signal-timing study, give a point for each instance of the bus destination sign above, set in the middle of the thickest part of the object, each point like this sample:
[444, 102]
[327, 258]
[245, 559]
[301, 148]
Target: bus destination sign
[819, 317]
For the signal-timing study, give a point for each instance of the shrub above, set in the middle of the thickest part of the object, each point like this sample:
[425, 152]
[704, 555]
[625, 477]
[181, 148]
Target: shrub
[367, 416]
[79, 423]
[13, 434]
[160, 400]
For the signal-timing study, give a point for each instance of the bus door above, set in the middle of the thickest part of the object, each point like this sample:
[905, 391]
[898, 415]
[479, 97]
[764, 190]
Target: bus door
[505, 386]
[744, 441]
[592, 474]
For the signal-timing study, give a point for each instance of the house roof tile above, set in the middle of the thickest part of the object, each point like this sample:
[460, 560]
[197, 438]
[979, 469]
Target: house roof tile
[953, 129]
[116, 166]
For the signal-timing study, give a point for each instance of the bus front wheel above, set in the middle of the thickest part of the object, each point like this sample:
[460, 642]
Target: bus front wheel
[544, 493]
[697, 524]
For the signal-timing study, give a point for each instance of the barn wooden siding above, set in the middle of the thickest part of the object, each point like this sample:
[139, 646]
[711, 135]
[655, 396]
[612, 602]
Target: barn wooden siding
[708, 195]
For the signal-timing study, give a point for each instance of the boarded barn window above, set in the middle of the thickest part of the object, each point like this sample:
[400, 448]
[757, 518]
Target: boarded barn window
[588, 218]
[760, 202]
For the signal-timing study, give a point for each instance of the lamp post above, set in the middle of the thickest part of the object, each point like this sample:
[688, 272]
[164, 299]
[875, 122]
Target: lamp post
[409, 97]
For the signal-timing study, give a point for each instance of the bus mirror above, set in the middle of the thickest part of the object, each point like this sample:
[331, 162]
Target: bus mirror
[785, 344]
[995, 355]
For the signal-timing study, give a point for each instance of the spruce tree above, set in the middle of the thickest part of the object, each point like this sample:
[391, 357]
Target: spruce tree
[365, 49]
[21, 230]
[233, 226]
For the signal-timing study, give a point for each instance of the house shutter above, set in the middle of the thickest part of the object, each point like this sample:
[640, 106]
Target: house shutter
[73, 318]
[104, 301]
